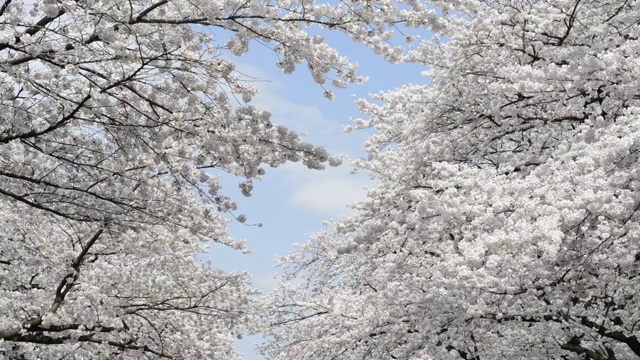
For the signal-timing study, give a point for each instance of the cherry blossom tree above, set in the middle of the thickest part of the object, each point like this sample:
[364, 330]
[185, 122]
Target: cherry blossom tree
[117, 118]
[505, 224]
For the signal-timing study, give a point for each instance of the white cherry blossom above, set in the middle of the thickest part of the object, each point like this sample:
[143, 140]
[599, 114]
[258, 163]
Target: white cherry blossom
[505, 224]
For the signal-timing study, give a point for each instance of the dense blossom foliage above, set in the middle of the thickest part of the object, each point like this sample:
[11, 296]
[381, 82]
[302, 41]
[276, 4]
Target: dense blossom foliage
[506, 223]
[116, 118]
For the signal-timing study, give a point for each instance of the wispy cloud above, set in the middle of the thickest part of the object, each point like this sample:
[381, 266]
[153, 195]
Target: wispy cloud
[328, 192]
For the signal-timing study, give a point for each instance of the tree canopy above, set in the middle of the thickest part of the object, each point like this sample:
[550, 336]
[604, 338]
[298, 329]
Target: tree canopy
[505, 224]
[117, 117]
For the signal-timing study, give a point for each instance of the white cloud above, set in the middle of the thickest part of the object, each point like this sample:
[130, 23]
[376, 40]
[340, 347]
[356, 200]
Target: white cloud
[264, 282]
[327, 192]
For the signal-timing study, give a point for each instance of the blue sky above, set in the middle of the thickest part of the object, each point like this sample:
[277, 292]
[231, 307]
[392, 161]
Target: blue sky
[293, 201]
